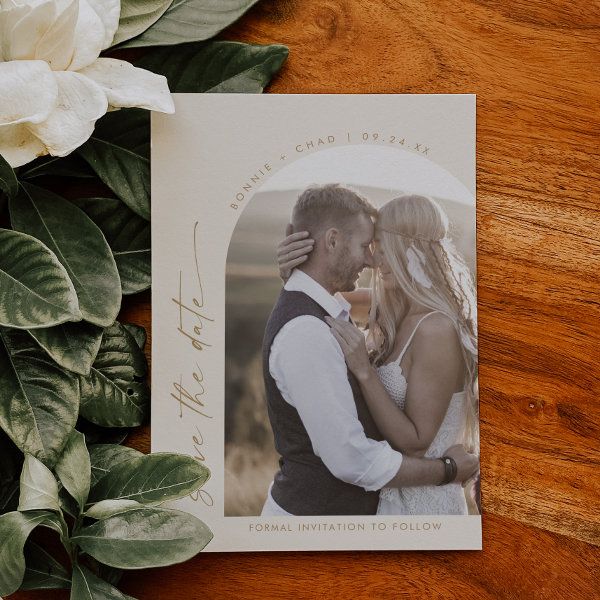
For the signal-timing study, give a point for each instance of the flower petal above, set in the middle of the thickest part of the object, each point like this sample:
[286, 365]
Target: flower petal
[22, 27]
[56, 46]
[28, 93]
[127, 86]
[80, 103]
[109, 11]
[89, 37]
[19, 146]
[39, 30]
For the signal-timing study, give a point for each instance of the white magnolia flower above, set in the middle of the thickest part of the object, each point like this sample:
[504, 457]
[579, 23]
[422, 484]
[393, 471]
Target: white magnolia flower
[54, 86]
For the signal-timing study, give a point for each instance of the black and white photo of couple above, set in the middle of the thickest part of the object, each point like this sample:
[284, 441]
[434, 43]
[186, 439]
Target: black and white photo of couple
[371, 392]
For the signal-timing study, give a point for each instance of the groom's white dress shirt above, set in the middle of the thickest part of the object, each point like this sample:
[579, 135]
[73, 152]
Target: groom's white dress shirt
[310, 371]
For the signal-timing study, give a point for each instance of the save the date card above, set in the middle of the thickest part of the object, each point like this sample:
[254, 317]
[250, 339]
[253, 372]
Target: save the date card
[314, 318]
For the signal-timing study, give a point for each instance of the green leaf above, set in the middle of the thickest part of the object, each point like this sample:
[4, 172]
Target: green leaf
[9, 496]
[96, 434]
[125, 134]
[73, 468]
[151, 479]
[15, 528]
[42, 572]
[230, 67]
[137, 16]
[11, 463]
[191, 21]
[39, 489]
[138, 332]
[108, 508]
[54, 166]
[73, 346]
[56, 522]
[108, 574]
[128, 128]
[8, 180]
[124, 171]
[115, 394]
[78, 244]
[68, 505]
[128, 235]
[105, 457]
[87, 586]
[143, 538]
[39, 401]
[35, 289]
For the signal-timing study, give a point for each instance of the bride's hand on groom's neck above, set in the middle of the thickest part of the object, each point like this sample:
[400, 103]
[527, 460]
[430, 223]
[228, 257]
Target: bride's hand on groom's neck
[292, 251]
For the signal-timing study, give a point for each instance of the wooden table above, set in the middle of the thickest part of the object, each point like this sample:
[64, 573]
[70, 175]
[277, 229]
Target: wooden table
[535, 69]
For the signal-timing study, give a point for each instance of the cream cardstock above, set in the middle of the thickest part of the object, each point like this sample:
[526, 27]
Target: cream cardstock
[209, 159]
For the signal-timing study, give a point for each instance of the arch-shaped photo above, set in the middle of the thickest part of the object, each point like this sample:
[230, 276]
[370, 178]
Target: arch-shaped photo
[351, 349]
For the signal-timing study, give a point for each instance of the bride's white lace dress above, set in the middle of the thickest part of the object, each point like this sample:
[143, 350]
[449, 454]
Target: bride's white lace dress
[426, 500]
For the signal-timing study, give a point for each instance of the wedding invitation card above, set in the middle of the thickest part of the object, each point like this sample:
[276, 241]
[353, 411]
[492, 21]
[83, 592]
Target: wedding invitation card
[314, 327]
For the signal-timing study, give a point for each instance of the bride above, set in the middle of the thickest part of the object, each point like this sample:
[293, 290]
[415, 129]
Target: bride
[417, 365]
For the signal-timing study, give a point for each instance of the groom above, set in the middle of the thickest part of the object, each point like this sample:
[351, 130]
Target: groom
[333, 460]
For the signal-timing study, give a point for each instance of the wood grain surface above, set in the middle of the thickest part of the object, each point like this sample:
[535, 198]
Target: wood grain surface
[535, 67]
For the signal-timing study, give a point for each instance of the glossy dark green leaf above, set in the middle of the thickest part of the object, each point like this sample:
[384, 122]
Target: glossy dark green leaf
[73, 346]
[137, 16]
[15, 528]
[67, 503]
[191, 21]
[8, 180]
[151, 479]
[127, 128]
[54, 166]
[35, 289]
[230, 67]
[87, 586]
[42, 571]
[143, 538]
[128, 236]
[78, 244]
[9, 496]
[105, 457]
[73, 468]
[38, 486]
[115, 393]
[39, 401]
[124, 171]
[96, 434]
[138, 332]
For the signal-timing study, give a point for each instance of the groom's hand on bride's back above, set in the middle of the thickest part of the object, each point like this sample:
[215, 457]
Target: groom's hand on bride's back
[293, 251]
[467, 464]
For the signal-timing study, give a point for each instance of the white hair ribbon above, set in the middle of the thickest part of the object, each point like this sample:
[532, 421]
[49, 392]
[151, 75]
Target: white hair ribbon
[416, 260]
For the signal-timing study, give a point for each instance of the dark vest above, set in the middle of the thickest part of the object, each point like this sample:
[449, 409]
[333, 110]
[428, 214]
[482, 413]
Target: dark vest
[303, 485]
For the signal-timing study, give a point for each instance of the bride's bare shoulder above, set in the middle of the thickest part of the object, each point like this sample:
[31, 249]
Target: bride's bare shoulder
[438, 349]
[439, 329]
